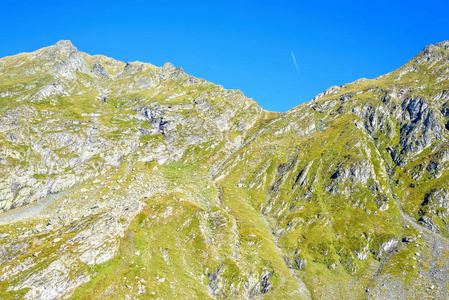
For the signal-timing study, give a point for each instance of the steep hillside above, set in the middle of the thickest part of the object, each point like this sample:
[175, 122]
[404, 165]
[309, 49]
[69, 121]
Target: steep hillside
[127, 180]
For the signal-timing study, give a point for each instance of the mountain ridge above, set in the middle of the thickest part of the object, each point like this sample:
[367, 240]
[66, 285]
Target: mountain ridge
[155, 184]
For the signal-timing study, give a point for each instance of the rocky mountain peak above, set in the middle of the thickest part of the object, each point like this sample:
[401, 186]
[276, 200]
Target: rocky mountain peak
[168, 70]
[434, 52]
[441, 45]
[64, 47]
[68, 59]
[168, 66]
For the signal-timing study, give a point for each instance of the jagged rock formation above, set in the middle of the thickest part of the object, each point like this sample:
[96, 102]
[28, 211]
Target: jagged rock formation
[127, 180]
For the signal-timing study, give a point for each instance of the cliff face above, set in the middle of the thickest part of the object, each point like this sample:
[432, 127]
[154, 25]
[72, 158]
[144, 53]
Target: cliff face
[130, 180]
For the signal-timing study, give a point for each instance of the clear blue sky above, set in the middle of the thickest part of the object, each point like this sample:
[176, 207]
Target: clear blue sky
[244, 45]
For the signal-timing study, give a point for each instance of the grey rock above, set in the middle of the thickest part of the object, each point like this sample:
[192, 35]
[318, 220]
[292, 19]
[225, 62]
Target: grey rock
[427, 222]
[213, 281]
[415, 108]
[74, 62]
[264, 282]
[407, 239]
[202, 104]
[99, 70]
[300, 263]
[132, 68]
[168, 71]
[65, 47]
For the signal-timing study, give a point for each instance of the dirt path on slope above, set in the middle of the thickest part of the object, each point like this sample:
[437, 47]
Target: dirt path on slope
[29, 211]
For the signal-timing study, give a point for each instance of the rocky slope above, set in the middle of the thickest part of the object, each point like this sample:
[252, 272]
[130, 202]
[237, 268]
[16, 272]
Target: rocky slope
[131, 181]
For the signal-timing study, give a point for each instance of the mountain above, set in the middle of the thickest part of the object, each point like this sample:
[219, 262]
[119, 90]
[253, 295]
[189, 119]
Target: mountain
[131, 181]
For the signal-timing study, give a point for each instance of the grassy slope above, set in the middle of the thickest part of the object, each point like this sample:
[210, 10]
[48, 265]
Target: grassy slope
[241, 221]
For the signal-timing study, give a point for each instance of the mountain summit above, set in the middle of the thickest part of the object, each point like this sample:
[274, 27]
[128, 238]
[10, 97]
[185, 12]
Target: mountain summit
[128, 180]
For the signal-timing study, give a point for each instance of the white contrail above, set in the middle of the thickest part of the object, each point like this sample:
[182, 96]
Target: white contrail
[296, 64]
